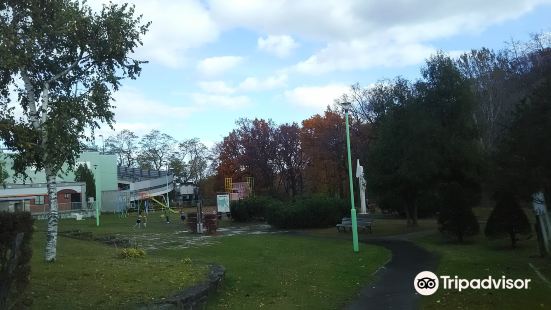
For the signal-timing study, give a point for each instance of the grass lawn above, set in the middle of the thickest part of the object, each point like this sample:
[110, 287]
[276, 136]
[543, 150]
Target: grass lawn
[284, 272]
[481, 259]
[88, 275]
[112, 224]
[273, 271]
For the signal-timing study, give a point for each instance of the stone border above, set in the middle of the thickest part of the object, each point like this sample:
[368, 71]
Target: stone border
[194, 297]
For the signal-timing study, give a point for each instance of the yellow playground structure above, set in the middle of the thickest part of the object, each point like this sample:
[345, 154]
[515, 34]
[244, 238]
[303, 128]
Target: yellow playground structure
[163, 205]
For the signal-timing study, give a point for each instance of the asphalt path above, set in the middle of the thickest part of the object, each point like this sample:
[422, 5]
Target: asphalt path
[393, 288]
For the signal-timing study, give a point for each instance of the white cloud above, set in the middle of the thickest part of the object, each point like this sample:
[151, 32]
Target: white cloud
[215, 66]
[216, 87]
[360, 34]
[317, 97]
[220, 101]
[139, 113]
[259, 84]
[177, 26]
[132, 105]
[280, 46]
[249, 84]
[363, 54]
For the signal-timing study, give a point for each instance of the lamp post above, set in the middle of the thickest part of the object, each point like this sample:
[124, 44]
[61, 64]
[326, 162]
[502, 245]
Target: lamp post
[167, 191]
[345, 106]
[97, 177]
[102, 144]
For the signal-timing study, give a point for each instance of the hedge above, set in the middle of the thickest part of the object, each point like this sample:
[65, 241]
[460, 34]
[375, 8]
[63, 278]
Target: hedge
[15, 256]
[307, 212]
[250, 209]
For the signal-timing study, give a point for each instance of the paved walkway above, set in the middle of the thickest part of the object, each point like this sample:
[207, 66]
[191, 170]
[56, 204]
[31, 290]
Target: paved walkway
[393, 288]
[182, 239]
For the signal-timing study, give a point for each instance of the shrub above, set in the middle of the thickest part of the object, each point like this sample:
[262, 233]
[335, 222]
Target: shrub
[456, 218]
[15, 256]
[507, 218]
[186, 261]
[131, 253]
[250, 209]
[307, 212]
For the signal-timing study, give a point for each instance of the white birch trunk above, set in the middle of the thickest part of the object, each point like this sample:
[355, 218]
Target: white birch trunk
[38, 118]
[51, 235]
[53, 215]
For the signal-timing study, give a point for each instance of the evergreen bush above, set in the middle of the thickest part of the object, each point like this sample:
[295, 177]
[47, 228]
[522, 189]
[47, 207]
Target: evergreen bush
[307, 212]
[456, 218]
[250, 209]
[507, 218]
[15, 257]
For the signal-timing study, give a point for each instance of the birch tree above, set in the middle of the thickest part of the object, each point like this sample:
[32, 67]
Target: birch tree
[63, 61]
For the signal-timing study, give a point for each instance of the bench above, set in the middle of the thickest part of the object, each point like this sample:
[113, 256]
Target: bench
[363, 222]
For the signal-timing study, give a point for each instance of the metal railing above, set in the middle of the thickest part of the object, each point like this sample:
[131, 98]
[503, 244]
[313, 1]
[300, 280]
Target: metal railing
[42, 185]
[137, 174]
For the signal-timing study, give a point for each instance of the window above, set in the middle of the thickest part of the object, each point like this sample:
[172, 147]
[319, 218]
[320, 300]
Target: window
[67, 196]
[39, 200]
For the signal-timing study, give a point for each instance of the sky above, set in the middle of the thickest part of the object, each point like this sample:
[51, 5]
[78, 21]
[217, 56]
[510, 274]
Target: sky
[214, 61]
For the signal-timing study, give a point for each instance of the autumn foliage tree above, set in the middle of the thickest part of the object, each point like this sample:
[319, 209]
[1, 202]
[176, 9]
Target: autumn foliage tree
[249, 151]
[290, 159]
[324, 145]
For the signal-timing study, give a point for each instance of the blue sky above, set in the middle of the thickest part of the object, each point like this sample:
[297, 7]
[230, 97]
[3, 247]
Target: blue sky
[214, 61]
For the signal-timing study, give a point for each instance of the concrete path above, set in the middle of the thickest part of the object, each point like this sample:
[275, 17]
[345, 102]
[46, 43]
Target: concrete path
[394, 287]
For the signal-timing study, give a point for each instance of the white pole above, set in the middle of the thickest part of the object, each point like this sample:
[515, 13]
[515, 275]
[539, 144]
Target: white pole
[167, 198]
[359, 175]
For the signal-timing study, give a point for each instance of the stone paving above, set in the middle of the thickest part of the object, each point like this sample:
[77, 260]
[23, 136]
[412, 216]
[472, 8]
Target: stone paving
[183, 239]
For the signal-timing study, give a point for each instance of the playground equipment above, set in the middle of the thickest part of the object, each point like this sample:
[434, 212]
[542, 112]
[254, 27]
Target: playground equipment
[239, 190]
[164, 206]
[123, 204]
[228, 185]
[250, 183]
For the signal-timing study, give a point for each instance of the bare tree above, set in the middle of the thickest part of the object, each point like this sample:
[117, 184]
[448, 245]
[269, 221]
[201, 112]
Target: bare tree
[190, 161]
[125, 146]
[156, 149]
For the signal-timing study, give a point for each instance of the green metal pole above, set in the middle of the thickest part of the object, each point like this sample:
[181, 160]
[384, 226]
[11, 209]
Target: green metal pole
[98, 192]
[353, 208]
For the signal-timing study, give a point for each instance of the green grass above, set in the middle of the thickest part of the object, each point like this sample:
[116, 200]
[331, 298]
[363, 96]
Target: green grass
[284, 272]
[88, 275]
[270, 271]
[112, 224]
[481, 258]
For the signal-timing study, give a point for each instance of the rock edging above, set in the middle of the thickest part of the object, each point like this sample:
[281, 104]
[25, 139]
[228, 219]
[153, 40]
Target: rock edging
[194, 297]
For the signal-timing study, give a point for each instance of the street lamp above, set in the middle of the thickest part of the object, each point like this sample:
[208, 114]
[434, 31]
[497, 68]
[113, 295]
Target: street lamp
[346, 106]
[167, 191]
[97, 177]
[102, 144]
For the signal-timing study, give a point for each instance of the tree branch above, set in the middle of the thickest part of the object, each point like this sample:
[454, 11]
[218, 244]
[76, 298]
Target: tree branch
[68, 69]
